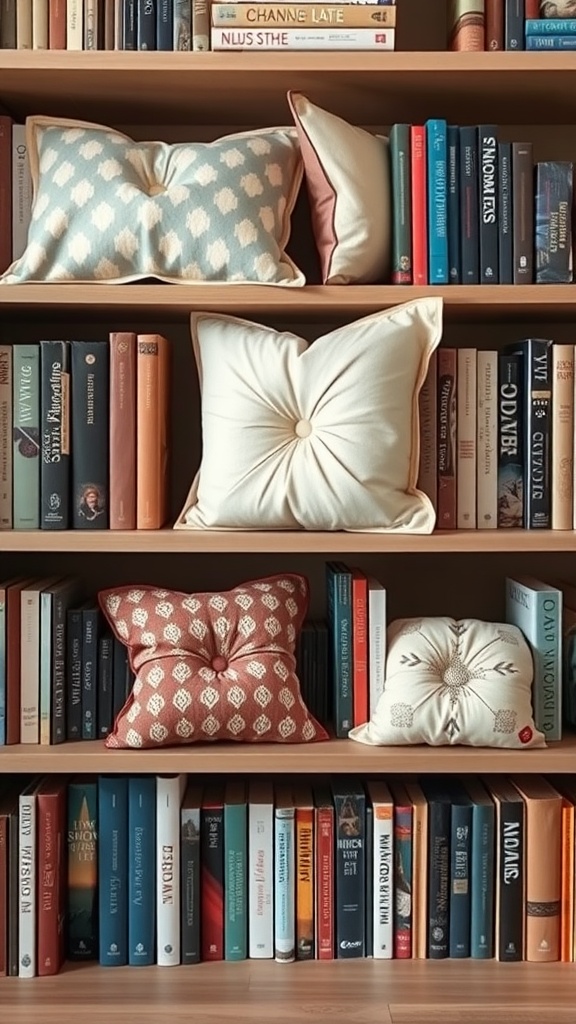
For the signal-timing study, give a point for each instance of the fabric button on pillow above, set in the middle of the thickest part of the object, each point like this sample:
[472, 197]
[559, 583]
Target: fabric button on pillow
[212, 666]
[109, 209]
[321, 436]
[452, 681]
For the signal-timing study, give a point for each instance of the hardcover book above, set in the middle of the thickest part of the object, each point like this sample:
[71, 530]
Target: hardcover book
[6, 386]
[419, 869]
[146, 24]
[56, 600]
[482, 871]
[74, 635]
[510, 869]
[54, 435]
[553, 222]
[487, 446]
[82, 904]
[359, 647]
[235, 871]
[339, 597]
[466, 389]
[418, 157]
[285, 874]
[488, 203]
[376, 642]
[141, 870]
[383, 869]
[523, 212]
[182, 38]
[105, 676]
[21, 185]
[190, 873]
[543, 815]
[169, 793]
[129, 40]
[562, 469]
[437, 151]
[439, 814]
[536, 608]
[304, 805]
[213, 875]
[469, 206]
[260, 869]
[350, 829]
[152, 375]
[90, 634]
[26, 436]
[90, 405]
[428, 410]
[113, 870]
[164, 24]
[537, 429]
[401, 175]
[123, 431]
[510, 441]
[505, 214]
[454, 264]
[460, 872]
[27, 888]
[513, 24]
[466, 25]
[403, 871]
[324, 871]
[447, 407]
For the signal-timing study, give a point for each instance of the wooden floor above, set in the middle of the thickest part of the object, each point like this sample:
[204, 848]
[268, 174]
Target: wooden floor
[360, 992]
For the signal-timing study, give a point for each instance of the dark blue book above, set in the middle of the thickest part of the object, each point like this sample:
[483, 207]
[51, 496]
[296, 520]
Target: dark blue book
[454, 204]
[460, 881]
[369, 940]
[550, 26]
[536, 421]
[164, 24]
[438, 797]
[105, 684]
[510, 440]
[339, 591]
[141, 870]
[90, 449]
[514, 24]
[469, 212]
[90, 625]
[113, 870]
[488, 202]
[505, 217]
[54, 435]
[437, 161]
[482, 871]
[350, 867]
[146, 25]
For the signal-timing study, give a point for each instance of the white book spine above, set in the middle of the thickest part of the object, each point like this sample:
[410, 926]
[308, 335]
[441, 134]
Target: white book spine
[169, 792]
[24, 25]
[40, 25]
[285, 887]
[260, 881]
[427, 407]
[377, 642]
[487, 448]
[29, 665]
[302, 39]
[5, 437]
[74, 25]
[118, 24]
[91, 24]
[383, 887]
[27, 885]
[466, 439]
[21, 191]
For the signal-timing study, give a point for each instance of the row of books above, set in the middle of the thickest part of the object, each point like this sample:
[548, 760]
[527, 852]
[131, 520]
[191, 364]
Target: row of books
[510, 24]
[142, 869]
[470, 209]
[84, 433]
[306, 26]
[497, 437]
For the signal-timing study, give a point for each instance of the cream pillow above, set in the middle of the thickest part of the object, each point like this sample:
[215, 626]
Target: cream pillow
[317, 437]
[348, 178]
[454, 681]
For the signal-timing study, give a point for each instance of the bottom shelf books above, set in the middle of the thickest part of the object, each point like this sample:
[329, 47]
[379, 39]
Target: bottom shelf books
[173, 870]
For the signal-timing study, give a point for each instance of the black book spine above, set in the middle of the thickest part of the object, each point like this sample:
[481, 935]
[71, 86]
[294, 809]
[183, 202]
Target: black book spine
[460, 880]
[74, 675]
[510, 440]
[488, 203]
[510, 919]
[523, 212]
[514, 25]
[89, 673]
[553, 225]
[538, 405]
[129, 24]
[90, 417]
[505, 237]
[105, 685]
[350, 873]
[190, 887]
[212, 860]
[469, 227]
[164, 24]
[438, 878]
[54, 435]
[121, 668]
[146, 25]
[454, 264]
[369, 898]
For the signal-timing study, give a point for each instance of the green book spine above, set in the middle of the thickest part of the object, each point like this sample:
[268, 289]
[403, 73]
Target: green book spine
[235, 882]
[26, 437]
[82, 910]
[401, 204]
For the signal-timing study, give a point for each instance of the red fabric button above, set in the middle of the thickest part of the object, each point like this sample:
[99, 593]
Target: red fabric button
[219, 664]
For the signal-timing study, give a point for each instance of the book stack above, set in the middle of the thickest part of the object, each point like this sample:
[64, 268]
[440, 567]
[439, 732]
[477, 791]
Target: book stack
[305, 26]
[512, 25]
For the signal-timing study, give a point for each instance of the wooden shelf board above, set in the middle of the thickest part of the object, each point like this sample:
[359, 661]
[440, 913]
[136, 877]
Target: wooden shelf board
[335, 756]
[214, 88]
[318, 302]
[298, 542]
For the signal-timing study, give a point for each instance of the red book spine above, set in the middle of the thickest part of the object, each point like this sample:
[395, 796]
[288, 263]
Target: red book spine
[3, 894]
[532, 9]
[57, 25]
[51, 887]
[403, 854]
[447, 368]
[122, 431]
[5, 192]
[494, 13]
[360, 646]
[325, 883]
[212, 881]
[419, 205]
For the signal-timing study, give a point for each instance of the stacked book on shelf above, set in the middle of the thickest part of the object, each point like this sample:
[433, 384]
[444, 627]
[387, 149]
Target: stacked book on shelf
[304, 26]
[137, 870]
[511, 25]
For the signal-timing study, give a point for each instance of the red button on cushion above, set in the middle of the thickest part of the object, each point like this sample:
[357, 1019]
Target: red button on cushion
[219, 664]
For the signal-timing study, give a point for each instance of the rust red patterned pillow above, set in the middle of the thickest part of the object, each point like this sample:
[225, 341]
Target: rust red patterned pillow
[213, 666]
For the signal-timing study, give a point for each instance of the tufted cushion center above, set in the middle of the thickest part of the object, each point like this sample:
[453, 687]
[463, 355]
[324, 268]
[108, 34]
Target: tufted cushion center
[456, 674]
[157, 189]
[219, 664]
[303, 428]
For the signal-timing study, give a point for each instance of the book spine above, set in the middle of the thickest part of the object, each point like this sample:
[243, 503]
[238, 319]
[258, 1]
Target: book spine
[75, 25]
[553, 26]
[164, 24]
[27, 886]
[469, 208]
[54, 435]
[82, 908]
[111, 18]
[340, 621]
[460, 880]
[4, 825]
[30, 665]
[261, 881]
[6, 385]
[551, 42]
[547, 664]
[190, 884]
[401, 204]
[543, 878]
[245, 15]
[24, 25]
[289, 39]
[428, 410]
[324, 840]
[350, 875]
[402, 882]
[419, 204]
[90, 28]
[212, 886]
[13, 897]
[57, 24]
[305, 883]
[5, 183]
[377, 643]
[510, 441]
[494, 24]
[26, 463]
[89, 673]
[3, 667]
[488, 203]
[90, 405]
[360, 647]
[8, 25]
[105, 700]
[482, 888]
[562, 436]
[151, 431]
[182, 39]
[13, 664]
[129, 40]
[146, 25]
[513, 24]
[44, 685]
[567, 886]
[538, 399]
[466, 25]
[523, 212]
[113, 870]
[454, 265]
[141, 870]
[487, 447]
[510, 920]
[202, 35]
[447, 384]
[56, 682]
[285, 887]
[466, 439]
[21, 191]
[438, 878]
[383, 875]
[436, 137]
[369, 879]
[505, 227]
[235, 884]
[168, 871]
[532, 9]
[553, 223]
[74, 675]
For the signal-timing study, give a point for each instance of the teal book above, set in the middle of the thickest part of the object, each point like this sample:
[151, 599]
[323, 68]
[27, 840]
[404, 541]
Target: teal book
[536, 608]
[113, 870]
[235, 872]
[482, 871]
[437, 161]
[82, 842]
[460, 861]
[284, 875]
[141, 870]
[26, 436]
[339, 592]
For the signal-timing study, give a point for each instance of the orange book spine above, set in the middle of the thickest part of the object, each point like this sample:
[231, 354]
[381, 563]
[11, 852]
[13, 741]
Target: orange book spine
[123, 431]
[533, 9]
[419, 205]
[152, 362]
[543, 869]
[57, 25]
[305, 882]
[325, 883]
[360, 646]
[447, 385]
[567, 894]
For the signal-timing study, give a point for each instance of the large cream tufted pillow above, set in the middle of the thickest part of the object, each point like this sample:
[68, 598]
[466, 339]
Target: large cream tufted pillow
[317, 437]
[452, 681]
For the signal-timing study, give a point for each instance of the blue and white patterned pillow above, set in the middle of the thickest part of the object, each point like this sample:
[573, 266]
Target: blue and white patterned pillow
[108, 209]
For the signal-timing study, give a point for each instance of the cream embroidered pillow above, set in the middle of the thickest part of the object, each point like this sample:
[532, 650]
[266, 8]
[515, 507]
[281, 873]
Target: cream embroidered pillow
[320, 436]
[107, 209]
[454, 681]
